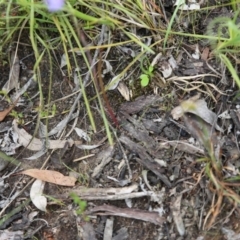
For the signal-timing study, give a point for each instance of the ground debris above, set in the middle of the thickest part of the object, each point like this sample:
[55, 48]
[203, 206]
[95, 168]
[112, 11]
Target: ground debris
[139, 104]
[122, 234]
[109, 193]
[230, 234]
[144, 158]
[13, 81]
[176, 211]
[152, 217]
[11, 235]
[87, 231]
[105, 156]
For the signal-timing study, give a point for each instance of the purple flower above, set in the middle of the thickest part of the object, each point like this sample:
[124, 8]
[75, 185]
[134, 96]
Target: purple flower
[54, 5]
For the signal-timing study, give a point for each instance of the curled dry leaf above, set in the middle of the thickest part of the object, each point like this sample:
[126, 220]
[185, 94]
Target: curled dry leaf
[36, 196]
[108, 68]
[166, 69]
[196, 55]
[50, 176]
[35, 144]
[198, 107]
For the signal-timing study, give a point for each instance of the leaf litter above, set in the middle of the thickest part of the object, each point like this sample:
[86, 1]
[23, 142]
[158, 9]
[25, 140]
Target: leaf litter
[173, 152]
[50, 176]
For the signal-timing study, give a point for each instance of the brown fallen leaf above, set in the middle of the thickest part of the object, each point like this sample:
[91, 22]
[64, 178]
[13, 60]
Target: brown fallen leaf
[4, 113]
[50, 176]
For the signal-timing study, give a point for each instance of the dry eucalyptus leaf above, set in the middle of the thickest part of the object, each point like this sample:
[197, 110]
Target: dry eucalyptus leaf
[13, 75]
[35, 144]
[76, 79]
[177, 217]
[114, 82]
[178, 111]
[36, 196]
[38, 154]
[82, 134]
[50, 176]
[124, 90]
[198, 107]
[172, 62]
[62, 124]
[87, 147]
[64, 60]
[156, 59]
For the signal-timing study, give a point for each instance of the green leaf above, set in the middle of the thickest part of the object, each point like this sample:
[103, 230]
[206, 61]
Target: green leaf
[150, 69]
[144, 80]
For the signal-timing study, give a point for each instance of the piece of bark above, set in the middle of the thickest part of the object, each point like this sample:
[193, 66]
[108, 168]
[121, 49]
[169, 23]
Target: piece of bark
[88, 232]
[139, 104]
[140, 135]
[137, 130]
[147, 216]
[122, 234]
[105, 156]
[108, 231]
[105, 194]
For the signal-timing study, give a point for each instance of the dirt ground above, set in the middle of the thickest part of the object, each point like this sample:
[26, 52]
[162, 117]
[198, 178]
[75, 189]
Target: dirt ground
[148, 151]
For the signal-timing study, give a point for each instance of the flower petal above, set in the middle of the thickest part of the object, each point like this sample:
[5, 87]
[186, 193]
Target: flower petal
[54, 5]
